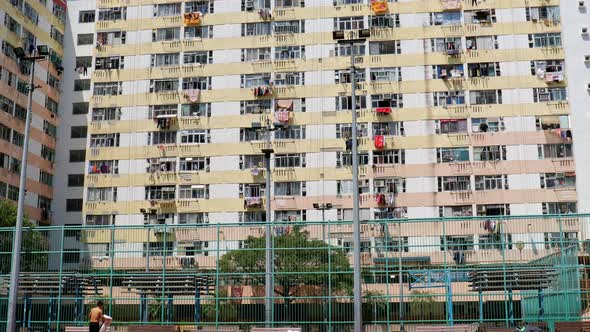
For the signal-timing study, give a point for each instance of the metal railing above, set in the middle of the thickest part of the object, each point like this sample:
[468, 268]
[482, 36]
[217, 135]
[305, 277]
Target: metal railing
[502, 270]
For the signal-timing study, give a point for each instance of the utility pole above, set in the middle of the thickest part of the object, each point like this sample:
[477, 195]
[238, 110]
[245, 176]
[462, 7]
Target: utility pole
[356, 226]
[42, 53]
[268, 128]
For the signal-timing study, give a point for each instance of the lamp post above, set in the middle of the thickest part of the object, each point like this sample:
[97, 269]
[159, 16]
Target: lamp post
[268, 128]
[362, 36]
[42, 53]
[323, 207]
[147, 215]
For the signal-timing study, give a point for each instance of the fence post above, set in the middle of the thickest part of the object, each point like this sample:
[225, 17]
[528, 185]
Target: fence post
[217, 278]
[112, 269]
[61, 265]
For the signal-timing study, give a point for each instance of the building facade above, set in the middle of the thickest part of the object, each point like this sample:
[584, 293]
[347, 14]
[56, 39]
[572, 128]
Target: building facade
[465, 108]
[28, 24]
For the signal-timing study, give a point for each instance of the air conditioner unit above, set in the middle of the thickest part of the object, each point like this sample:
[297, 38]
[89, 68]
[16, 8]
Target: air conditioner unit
[379, 183]
[581, 4]
[279, 76]
[249, 5]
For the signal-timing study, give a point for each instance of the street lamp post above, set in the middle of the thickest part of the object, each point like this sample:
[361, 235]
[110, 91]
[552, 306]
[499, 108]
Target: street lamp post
[42, 53]
[356, 226]
[323, 207]
[147, 215]
[268, 128]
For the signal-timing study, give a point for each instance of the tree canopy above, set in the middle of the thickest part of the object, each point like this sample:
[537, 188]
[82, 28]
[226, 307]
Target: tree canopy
[298, 261]
[34, 245]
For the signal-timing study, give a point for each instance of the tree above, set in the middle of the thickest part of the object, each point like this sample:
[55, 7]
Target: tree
[34, 245]
[301, 265]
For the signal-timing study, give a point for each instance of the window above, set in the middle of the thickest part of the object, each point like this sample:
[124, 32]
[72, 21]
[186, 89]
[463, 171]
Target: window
[106, 114]
[78, 132]
[342, 76]
[385, 47]
[454, 183]
[196, 83]
[18, 139]
[556, 240]
[160, 192]
[47, 153]
[495, 241]
[85, 39]
[195, 136]
[249, 190]
[480, 16]
[111, 38]
[347, 245]
[99, 220]
[255, 80]
[291, 132]
[391, 213]
[493, 210]
[289, 189]
[541, 95]
[71, 256]
[203, 6]
[192, 164]
[251, 5]
[288, 27]
[389, 157]
[289, 78]
[447, 155]
[456, 243]
[547, 151]
[161, 137]
[158, 249]
[193, 218]
[344, 159]
[448, 45]
[451, 126]
[82, 85]
[201, 31]
[384, 21]
[290, 160]
[349, 23]
[169, 9]
[113, 13]
[255, 106]
[111, 62]
[49, 128]
[74, 205]
[256, 54]
[252, 216]
[394, 100]
[491, 182]
[393, 244]
[558, 180]
[481, 43]
[197, 191]
[386, 74]
[22, 86]
[492, 125]
[12, 24]
[45, 178]
[250, 134]
[345, 50]
[77, 156]
[104, 140]
[447, 71]
[161, 165]
[545, 40]
[86, 16]
[165, 59]
[103, 167]
[56, 35]
[101, 194]
[345, 103]
[108, 89]
[445, 18]
[344, 187]
[164, 85]
[485, 97]
[489, 153]
[12, 193]
[289, 3]
[197, 57]
[256, 29]
[289, 52]
[344, 130]
[75, 180]
[485, 69]
[346, 215]
[80, 108]
[200, 109]
[544, 13]
[5, 132]
[390, 185]
[165, 34]
[251, 161]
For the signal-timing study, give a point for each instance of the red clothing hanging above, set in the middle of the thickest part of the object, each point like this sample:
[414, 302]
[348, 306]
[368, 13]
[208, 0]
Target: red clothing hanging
[379, 142]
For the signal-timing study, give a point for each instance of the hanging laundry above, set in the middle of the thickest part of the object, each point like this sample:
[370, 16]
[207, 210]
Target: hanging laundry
[379, 142]
[349, 144]
[282, 116]
[383, 110]
[265, 14]
[379, 7]
[390, 199]
[380, 199]
[192, 95]
[254, 171]
[193, 18]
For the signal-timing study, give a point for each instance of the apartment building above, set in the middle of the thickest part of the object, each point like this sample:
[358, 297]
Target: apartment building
[465, 108]
[28, 24]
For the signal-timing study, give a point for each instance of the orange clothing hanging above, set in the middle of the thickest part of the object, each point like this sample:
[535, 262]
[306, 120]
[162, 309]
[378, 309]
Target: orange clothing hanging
[379, 7]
